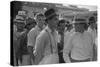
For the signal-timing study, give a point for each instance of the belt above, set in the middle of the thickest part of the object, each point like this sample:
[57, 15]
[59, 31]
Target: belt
[74, 60]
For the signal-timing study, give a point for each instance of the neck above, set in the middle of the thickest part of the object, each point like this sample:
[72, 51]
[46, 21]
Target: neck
[81, 32]
[52, 29]
[19, 30]
[40, 27]
[93, 28]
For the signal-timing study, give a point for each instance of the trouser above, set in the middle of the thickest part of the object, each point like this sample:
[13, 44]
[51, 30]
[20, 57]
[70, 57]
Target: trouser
[50, 59]
[15, 60]
[26, 60]
[94, 53]
[61, 60]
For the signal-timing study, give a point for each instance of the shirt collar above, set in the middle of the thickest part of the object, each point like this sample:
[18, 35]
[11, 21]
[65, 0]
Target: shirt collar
[48, 29]
[38, 28]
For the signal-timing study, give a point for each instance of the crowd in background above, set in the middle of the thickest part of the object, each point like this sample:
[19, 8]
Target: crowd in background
[45, 39]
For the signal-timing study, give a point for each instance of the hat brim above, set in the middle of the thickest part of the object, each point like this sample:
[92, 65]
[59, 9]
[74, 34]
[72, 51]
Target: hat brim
[52, 15]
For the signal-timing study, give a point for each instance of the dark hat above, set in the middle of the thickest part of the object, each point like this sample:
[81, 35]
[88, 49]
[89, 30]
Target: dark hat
[30, 21]
[92, 19]
[50, 13]
[61, 21]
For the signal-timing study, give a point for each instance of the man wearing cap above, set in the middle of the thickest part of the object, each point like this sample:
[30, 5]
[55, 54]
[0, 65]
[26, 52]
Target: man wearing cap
[93, 32]
[33, 33]
[46, 51]
[19, 23]
[92, 27]
[79, 47]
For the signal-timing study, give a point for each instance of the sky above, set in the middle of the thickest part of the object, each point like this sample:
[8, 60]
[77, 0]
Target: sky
[91, 8]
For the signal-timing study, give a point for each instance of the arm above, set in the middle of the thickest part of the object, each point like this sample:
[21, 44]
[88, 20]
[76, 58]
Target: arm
[94, 52]
[67, 49]
[31, 42]
[39, 48]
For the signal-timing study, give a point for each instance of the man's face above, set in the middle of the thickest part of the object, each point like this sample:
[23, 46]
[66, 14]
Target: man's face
[79, 27]
[31, 25]
[61, 27]
[93, 26]
[20, 25]
[40, 20]
[54, 22]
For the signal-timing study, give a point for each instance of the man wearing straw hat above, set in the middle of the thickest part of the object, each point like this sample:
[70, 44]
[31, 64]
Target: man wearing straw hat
[19, 23]
[79, 47]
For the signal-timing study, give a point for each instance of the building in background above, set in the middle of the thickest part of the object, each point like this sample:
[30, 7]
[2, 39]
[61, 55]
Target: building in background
[66, 12]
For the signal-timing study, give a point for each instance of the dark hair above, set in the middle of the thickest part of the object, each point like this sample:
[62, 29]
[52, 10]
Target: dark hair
[39, 14]
[30, 21]
[61, 21]
[67, 23]
[85, 26]
[92, 20]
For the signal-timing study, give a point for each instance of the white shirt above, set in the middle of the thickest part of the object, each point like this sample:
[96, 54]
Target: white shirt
[67, 35]
[43, 44]
[80, 45]
[94, 34]
[59, 38]
[33, 33]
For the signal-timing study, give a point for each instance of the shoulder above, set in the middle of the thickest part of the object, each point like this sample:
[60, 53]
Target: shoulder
[74, 34]
[43, 35]
[88, 34]
[32, 31]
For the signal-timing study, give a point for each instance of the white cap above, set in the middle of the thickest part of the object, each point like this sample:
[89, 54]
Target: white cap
[80, 19]
[19, 19]
[22, 13]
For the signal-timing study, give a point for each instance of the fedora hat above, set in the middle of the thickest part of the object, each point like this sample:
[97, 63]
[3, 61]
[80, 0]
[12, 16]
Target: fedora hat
[50, 13]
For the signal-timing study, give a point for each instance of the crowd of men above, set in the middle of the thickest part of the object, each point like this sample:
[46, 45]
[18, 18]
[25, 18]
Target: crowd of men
[48, 40]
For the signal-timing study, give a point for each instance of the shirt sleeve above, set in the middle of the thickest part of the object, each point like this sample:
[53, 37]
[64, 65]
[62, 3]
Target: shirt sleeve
[92, 45]
[31, 38]
[67, 49]
[39, 48]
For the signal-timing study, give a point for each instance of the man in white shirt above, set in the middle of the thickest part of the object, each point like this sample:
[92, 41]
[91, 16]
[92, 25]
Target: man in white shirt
[46, 51]
[92, 27]
[79, 47]
[34, 32]
[93, 32]
[69, 32]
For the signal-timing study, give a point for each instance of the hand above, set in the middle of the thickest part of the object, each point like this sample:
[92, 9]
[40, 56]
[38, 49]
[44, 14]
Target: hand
[32, 56]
